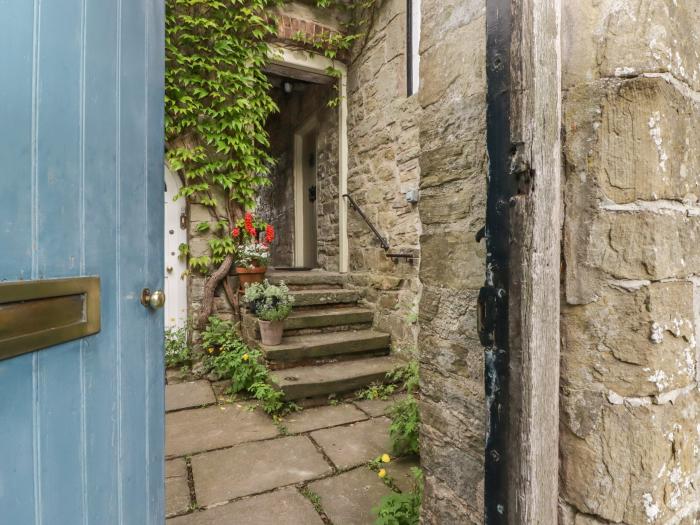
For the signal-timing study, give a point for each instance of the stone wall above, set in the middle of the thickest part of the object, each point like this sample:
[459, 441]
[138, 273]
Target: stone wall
[199, 246]
[453, 166]
[383, 165]
[630, 439]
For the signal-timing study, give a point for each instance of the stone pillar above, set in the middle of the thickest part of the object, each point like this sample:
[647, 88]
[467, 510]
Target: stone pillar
[383, 165]
[452, 209]
[630, 421]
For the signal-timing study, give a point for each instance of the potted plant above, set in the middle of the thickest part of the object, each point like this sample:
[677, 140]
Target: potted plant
[252, 238]
[271, 304]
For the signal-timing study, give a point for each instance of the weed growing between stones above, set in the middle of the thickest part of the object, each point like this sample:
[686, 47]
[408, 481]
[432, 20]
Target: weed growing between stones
[314, 498]
[177, 351]
[229, 357]
[402, 508]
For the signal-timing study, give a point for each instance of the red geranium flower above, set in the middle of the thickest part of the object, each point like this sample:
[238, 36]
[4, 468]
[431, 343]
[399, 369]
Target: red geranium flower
[236, 232]
[249, 224]
[269, 233]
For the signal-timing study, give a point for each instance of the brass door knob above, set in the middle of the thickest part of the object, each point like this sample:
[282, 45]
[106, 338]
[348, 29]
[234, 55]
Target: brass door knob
[169, 269]
[153, 300]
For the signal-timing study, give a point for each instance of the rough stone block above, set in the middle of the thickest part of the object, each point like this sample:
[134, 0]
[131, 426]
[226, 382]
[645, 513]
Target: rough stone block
[640, 466]
[629, 245]
[442, 504]
[452, 259]
[450, 466]
[446, 62]
[456, 201]
[608, 38]
[631, 343]
[637, 139]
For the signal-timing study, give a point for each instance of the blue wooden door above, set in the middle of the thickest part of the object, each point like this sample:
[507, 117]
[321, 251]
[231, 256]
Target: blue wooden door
[81, 189]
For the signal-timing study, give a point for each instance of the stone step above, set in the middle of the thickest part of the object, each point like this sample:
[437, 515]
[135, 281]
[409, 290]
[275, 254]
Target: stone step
[325, 296]
[311, 278]
[324, 317]
[314, 320]
[335, 378]
[315, 346]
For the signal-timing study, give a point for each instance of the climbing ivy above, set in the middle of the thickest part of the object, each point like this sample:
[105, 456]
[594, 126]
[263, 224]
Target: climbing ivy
[217, 102]
[217, 97]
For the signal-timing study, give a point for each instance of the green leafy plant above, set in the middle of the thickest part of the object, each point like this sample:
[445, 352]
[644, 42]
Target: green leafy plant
[244, 366]
[404, 413]
[408, 375]
[269, 302]
[377, 391]
[314, 498]
[217, 102]
[405, 426]
[235, 360]
[177, 351]
[404, 508]
[271, 399]
[219, 335]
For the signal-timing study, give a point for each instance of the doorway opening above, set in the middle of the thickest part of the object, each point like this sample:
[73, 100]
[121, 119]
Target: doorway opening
[303, 201]
[308, 139]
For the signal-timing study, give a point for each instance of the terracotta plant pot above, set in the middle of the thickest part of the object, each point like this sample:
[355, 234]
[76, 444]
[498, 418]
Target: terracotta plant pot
[250, 275]
[271, 332]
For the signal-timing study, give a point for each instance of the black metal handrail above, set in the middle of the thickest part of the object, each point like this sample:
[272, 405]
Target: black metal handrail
[376, 233]
[382, 240]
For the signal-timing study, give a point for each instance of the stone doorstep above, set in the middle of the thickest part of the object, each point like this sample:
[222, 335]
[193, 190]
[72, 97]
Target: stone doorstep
[314, 320]
[348, 499]
[281, 507]
[301, 347]
[254, 468]
[325, 317]
[306, 278]
[324, 297]
[188, 395]
[344, 376]
[215, 427]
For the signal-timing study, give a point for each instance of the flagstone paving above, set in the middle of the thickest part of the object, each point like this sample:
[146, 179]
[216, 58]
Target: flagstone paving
[228, 463]
[189, 395]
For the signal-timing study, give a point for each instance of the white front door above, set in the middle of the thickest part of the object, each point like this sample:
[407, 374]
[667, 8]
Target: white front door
[175, 266]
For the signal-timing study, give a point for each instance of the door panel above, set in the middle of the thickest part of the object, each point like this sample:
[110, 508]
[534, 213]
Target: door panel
[175, 266]
[310, 200]
[81, 439]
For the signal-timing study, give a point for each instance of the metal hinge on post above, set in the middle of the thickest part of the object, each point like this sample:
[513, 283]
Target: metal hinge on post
[486, 308]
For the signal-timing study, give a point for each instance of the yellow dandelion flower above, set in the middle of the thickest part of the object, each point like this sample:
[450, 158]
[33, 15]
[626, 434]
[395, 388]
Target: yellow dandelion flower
[245, 357]
[211, 350]
[386, 458]
[381, 473]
